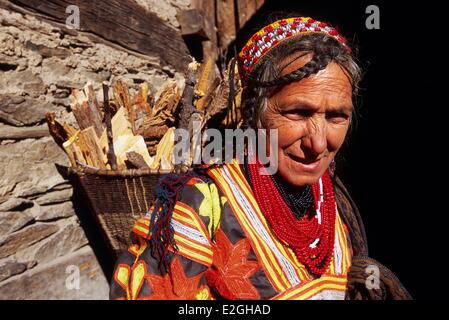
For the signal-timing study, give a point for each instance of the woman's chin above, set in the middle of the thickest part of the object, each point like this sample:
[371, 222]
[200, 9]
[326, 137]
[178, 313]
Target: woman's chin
[297, 176]
[300, 181]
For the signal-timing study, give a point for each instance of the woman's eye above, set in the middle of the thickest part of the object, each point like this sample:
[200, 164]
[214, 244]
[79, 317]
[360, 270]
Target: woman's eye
[298, 114]
[337, 117]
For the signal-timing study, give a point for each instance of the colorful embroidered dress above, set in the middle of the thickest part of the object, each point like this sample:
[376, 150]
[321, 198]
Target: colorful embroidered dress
[226, 250]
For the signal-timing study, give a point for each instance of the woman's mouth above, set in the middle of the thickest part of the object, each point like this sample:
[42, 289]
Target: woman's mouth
[305, 165]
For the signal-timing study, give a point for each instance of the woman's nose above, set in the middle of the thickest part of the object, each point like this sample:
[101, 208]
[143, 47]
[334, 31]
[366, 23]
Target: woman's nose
[315, 142]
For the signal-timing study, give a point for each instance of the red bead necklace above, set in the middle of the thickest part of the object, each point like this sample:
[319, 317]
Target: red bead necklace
[311, 238]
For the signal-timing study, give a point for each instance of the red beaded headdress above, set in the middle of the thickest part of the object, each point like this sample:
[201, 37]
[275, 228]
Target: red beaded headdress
[272, 35]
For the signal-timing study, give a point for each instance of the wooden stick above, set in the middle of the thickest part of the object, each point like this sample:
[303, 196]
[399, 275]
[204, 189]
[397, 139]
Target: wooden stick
[72, 150]
[107, 118]
[83, 165]
[187, 108]
[94, 110]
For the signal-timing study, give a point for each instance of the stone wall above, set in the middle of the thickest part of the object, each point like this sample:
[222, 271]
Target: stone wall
[40, 233]
[41, 61]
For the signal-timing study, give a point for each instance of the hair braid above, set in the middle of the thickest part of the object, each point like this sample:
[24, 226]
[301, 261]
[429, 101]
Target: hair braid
[313, 66]
[252, 98]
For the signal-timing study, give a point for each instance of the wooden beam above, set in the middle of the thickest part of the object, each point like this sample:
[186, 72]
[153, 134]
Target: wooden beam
[192, 23]
[246, 9]
[226, 22]
[121, 22]
[207, 8]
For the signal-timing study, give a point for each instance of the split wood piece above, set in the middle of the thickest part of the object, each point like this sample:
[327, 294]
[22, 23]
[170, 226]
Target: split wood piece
[81, 118]
[95, 110]
[136, 160]
[69, 129]
[218, 103]
[91, 149]
[85, 112]
[140, 110]
[108, 118]
[121, 95]
[76, 100]
[204, 76]
[205, 101]
[155, 133]
[128, 143]
[167, 101]
[120, 127]
[92, 96]
[56, 129]
[234, 115]
[166, 163]
[208, 80]
[143, 91]
[78, 96]
[164, 150]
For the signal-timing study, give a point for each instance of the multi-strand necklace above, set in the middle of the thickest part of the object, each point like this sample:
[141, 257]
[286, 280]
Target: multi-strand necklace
[299, 202]
[311, 236]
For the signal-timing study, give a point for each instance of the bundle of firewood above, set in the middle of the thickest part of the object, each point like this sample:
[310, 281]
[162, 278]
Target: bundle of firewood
[136, 130]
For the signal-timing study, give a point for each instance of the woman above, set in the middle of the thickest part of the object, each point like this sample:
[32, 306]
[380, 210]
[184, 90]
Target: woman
[236, 232]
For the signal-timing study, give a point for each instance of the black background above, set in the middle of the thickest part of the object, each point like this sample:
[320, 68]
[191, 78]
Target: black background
[393, 166]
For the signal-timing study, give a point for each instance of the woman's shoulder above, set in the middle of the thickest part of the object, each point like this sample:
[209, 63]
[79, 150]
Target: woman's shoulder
[204, 199]
[193, 199]
[351, 217]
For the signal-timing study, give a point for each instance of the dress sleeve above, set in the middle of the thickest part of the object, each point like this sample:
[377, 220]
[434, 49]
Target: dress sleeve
[138, 274]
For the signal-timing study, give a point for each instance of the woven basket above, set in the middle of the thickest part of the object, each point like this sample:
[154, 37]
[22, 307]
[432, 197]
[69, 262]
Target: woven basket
[117, 199]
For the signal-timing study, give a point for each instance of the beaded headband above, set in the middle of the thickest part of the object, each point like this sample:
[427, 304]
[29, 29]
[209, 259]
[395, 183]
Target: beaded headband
[272, 35]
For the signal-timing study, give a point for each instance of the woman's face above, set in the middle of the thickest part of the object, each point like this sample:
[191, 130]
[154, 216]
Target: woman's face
[312, 117]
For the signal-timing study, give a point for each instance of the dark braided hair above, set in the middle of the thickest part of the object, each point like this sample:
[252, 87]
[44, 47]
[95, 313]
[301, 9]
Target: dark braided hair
[267, 74]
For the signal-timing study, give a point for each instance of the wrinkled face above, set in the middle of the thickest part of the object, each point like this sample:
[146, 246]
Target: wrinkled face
[312, 117]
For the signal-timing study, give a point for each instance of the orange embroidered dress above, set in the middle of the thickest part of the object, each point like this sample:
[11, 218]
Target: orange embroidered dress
[225, 250]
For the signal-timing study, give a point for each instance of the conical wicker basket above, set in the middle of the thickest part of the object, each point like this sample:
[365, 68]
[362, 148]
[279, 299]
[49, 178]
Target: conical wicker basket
[117, 199]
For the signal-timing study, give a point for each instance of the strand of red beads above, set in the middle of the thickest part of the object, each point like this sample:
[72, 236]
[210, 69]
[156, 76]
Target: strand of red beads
[312, 242]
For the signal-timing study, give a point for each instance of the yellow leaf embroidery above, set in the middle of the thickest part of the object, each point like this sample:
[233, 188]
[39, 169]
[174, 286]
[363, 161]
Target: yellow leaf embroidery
[138, 276]
[203, 294]
[122, 275]
[211, 206]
